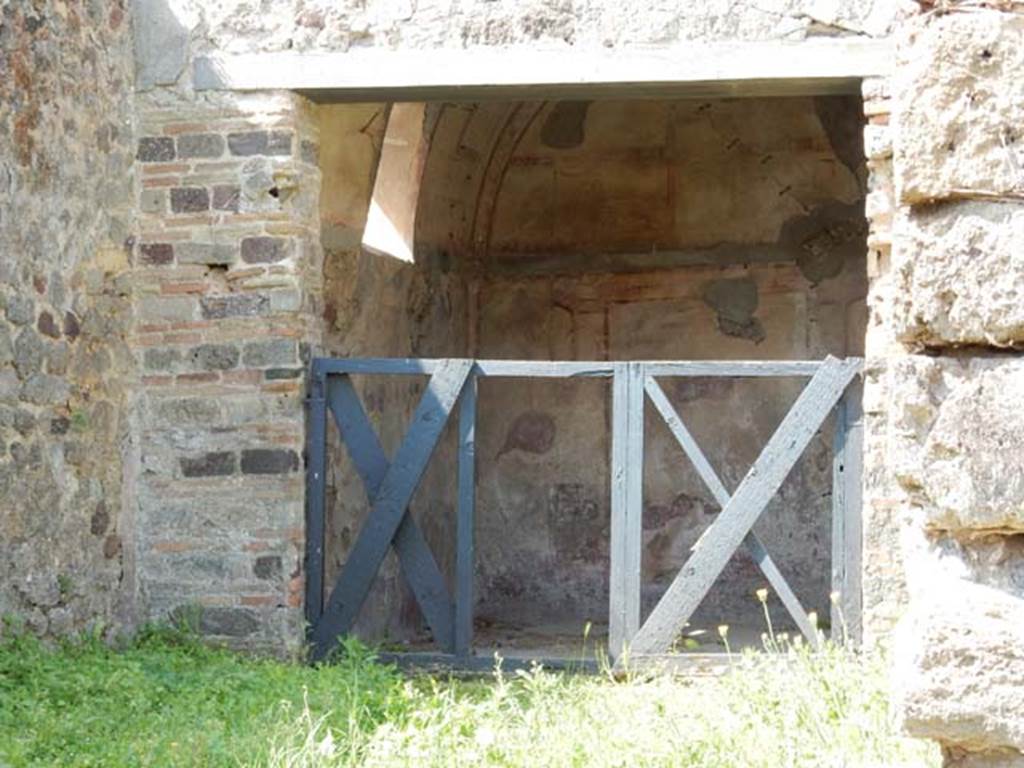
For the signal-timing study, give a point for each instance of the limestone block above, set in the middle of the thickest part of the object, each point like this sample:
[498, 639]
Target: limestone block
[161, 42]
[958, 106]
[157, 309]
[6, 345]
[960, 274]
[45, 390]
[878, 142]
[9, 384]
[216, 519]
[959, 758]
[876, 89]
[247, 25]
[957, 441]
[958, 664]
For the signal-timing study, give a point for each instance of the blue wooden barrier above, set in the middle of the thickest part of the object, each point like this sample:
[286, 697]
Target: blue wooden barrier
[390, 485]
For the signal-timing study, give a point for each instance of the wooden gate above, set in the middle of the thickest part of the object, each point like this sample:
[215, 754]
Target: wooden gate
[390, 484]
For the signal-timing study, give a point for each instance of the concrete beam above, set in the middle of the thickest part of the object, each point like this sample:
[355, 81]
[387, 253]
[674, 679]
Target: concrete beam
[812, 67]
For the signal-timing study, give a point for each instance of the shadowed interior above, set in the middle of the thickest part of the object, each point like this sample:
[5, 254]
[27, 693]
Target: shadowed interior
[605, 230]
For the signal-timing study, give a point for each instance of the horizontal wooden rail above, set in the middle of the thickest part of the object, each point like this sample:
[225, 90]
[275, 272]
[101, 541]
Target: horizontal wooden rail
[571, 369]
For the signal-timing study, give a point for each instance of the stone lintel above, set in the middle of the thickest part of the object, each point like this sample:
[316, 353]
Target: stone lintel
[814, 67]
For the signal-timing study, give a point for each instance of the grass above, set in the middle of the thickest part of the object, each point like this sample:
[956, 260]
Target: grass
[166, 700]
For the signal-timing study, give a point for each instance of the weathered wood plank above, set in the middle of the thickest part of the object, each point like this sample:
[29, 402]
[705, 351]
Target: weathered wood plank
[418, 565]
[316, 487]
[571, 369]
[771, 571]
[686, 441]
[389, 506]
[393, 366]
[626, 506]
[511, 368]
[735, 368]
[838, 519]
[710, 368]
[543, 368]
[751, 542]
[421, 573]
[617, 634]
[724, 535]
[848, 485]
[357, 434]
[633, 570]
[464, 525]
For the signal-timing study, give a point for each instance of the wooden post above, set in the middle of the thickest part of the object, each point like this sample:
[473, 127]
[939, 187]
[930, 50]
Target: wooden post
[626, 506]
[464, 526]
[847, 527]
[316, 486]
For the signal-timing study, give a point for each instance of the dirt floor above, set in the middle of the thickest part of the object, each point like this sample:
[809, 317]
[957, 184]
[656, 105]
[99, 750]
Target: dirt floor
[568, 642]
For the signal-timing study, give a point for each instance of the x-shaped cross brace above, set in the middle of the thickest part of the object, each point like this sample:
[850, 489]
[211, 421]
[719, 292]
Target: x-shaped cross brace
[390, 487]
[741, 509]
[755, 547]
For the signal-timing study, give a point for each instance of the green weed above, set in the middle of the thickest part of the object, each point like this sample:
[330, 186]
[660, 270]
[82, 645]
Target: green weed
[166, 699]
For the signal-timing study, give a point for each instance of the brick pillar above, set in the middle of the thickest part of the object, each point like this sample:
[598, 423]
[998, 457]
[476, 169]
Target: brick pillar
[228, 288]
[884, 590]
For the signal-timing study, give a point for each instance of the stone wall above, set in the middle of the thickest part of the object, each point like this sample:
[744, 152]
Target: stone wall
[66, 238]
[883, 580]
[162, 286]
[228, 274]
[172, 32]
[944, 397]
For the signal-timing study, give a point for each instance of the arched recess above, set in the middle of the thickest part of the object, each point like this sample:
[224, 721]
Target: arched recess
[470, 148]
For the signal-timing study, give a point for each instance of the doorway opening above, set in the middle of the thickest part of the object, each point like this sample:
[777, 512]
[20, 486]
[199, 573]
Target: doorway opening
[634, 230]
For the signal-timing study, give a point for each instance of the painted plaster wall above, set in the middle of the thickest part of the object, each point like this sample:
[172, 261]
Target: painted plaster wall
[660, 230]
